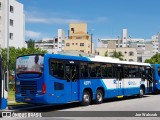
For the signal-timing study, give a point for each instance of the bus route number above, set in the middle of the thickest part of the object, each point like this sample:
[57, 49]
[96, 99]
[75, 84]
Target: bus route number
[87, 82]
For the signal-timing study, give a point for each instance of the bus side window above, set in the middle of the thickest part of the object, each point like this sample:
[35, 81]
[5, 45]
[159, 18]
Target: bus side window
[126, 71]
[142, 73]
[57, 68]
[84, 69]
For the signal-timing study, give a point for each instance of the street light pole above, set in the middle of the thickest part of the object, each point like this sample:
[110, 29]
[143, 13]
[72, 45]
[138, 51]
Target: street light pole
[8, 34]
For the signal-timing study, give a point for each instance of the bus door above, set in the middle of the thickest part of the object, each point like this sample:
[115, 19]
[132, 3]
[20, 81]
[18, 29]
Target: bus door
[72, 76]
[149, 77]
[119, 77]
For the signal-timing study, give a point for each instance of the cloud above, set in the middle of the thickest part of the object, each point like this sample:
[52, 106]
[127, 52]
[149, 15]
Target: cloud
[51, 20]
[36, 17]
[32, 34]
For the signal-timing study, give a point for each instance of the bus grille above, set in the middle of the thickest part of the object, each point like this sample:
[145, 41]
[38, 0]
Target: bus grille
[28, 88]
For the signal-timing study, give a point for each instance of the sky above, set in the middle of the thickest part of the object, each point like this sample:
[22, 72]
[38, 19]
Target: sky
[104, 18]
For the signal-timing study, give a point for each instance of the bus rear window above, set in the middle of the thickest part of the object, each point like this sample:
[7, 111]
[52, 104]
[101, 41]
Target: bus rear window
[29, 64]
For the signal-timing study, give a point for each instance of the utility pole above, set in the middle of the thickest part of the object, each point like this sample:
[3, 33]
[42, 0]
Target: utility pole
[8, 34]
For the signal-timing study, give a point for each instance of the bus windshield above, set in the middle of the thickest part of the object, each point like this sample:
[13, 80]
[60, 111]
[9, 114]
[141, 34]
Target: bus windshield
[29, 64]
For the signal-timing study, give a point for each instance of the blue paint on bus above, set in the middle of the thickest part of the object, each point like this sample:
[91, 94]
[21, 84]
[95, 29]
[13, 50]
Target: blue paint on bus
[58, 84]
[156, 77]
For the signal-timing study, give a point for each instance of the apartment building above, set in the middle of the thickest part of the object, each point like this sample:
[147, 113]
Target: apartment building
[142, 49]
[156, 43]
[129, 54]
[79, 39]
[52, 45]
[12, 25]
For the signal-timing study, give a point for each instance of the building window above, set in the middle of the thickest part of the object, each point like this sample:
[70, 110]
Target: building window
[11, 36]
[81, 50]
[72, 29]
[78, 37]
[72, 43]
[11, 9]
[67, 44]
[11, 22]
[76, 43]
[81, 44]
[0, 5]
[130, 59]
[131, 53]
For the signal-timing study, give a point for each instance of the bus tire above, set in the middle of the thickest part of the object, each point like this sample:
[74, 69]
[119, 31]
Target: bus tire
[141, 92]
[86, 98]
[99, 96]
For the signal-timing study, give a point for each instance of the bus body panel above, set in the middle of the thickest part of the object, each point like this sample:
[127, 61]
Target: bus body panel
[156, 77]
[60, 91]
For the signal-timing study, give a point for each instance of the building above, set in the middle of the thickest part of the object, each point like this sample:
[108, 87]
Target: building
[12, 24]
[79, 39]
[133, 49]
[52, 45]
[129, 54]
[156, 43]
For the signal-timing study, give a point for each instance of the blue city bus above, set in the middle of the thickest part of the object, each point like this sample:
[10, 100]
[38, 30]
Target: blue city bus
[60, 79]
[3, 88]
[156, 78]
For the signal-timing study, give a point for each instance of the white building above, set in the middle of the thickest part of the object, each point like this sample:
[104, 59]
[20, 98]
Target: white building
[143, 48]
[12, 25]
[52, 45]
[156, 43]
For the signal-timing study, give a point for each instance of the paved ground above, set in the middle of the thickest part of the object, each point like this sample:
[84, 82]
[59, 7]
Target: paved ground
[139, 105]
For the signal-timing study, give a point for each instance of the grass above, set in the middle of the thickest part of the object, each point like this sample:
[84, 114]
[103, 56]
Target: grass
[11, 97]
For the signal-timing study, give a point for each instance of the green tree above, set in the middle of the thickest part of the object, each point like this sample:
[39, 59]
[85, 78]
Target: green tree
[106, 53]
[118, 55]
[155, 59]
[30, 43]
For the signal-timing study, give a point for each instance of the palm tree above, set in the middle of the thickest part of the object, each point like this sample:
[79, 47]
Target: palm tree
[118, 55]
[106, 53]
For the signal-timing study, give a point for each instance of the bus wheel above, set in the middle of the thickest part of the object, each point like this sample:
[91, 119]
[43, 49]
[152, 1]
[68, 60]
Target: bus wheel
[86, 98]
[141, 92]
[99, 96]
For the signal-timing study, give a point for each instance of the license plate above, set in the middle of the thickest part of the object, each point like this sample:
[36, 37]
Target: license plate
[27, 99]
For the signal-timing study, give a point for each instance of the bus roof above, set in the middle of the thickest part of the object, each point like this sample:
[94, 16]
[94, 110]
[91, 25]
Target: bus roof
[96, 59]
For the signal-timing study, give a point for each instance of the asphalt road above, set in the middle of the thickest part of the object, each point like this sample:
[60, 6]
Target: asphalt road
[149, 104]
